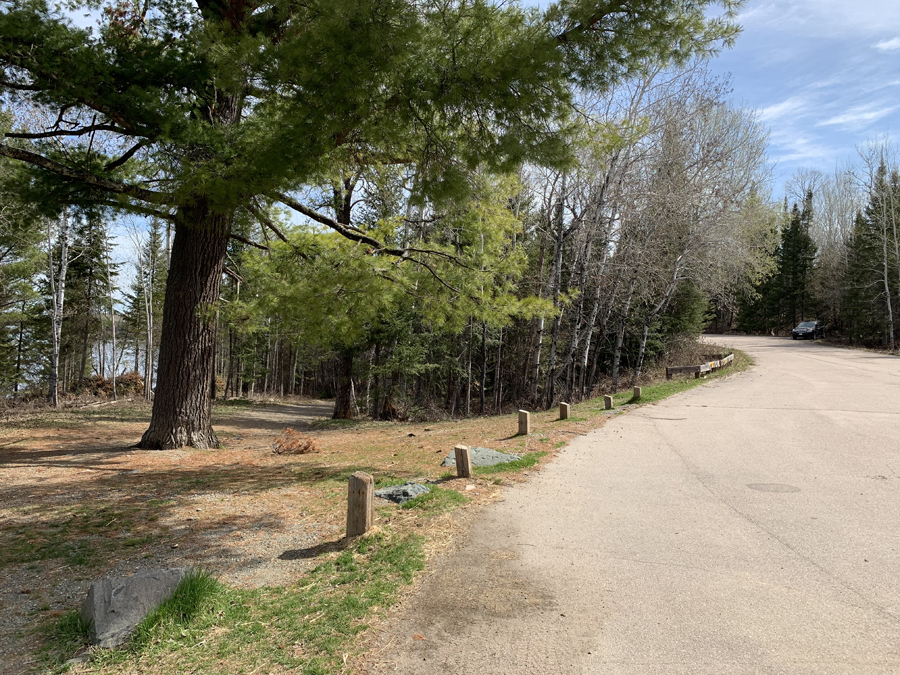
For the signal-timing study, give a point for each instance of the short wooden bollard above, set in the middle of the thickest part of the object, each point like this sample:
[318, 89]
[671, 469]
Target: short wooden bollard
[608, 402]
[360, 498]
[637, 394]
[524, 423]
[463, 461]
[563, 411]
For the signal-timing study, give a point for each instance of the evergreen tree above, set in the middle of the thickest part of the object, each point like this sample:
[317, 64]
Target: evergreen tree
[208, 109]
[871, 289]
[88, 288]
[785, 298]
[797, 256]
[20, 263]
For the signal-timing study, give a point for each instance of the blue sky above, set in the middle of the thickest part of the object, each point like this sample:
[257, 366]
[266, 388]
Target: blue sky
[823, 74]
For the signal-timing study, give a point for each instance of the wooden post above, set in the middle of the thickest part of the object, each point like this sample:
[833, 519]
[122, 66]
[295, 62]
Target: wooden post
[563, 411]
[608, 402]
[637, 394]
[360, 498]
[463, 461]
[524, 423]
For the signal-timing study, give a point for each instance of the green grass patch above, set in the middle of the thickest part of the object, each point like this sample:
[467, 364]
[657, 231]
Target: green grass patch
[525, 462]
[194, 593]
[660, 390]
[73, 536]
[437, 500]
[65, 635]
[656, 392]
[208, 627]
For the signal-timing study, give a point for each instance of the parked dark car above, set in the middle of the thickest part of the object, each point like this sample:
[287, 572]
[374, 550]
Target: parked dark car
[808, 330]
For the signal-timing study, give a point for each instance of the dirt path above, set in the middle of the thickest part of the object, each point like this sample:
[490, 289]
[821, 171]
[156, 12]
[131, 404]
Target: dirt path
[78, 503]
[748, 526]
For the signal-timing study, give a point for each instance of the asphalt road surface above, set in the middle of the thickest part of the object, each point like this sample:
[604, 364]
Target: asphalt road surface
[751, 525]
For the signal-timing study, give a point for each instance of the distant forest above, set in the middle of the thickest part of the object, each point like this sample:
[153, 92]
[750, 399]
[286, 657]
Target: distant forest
[546, 284]
[838, 255]
[557, 283]
[528, 207]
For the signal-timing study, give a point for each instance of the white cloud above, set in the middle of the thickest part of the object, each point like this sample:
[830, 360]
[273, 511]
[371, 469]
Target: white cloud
[857, 116]
[888, 45]
[823, 17]
[791, 106]
[796, 144]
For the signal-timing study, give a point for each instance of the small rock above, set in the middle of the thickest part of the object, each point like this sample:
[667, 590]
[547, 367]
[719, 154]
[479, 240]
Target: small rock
[400, 494]
[114, 607]
[482, 457]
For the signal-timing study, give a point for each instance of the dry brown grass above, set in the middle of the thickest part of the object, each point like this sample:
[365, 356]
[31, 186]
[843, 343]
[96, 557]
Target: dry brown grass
[292, 442]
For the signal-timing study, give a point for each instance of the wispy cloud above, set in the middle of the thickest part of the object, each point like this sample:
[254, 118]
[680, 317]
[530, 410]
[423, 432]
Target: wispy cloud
[833, 18]
[789, 107]
[857, 116]
[891, 45]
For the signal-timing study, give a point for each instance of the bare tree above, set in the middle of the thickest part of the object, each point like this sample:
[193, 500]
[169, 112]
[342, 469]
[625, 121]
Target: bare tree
[58, 236]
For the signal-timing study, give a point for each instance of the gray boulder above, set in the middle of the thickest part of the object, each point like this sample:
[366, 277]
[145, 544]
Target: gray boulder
[114, 607]
[400, 494]
[482, 457]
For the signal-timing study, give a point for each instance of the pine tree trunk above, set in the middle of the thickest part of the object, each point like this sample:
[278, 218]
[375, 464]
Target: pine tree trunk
[498, 374]
[344, 384]
[484, 362]
[181, 405]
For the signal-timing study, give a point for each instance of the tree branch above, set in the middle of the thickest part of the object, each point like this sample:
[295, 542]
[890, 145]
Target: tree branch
[433, 273]
[115, 164]
[143, 210]
[267, 222]
[85, 176]
[353, 234]
[70, 132]
[231, 273]
[248, 242]
[349, 233]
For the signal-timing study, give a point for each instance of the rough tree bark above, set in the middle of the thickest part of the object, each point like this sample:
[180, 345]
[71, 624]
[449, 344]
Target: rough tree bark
[181, 406]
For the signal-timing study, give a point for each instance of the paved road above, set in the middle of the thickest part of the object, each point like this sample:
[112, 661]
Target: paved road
[751, 525]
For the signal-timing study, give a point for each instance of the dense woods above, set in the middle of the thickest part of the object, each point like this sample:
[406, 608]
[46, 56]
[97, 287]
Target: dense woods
[419, 209]
[837, 254]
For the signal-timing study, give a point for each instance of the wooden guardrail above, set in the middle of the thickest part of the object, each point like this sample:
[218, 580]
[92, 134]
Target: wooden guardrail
[700, 370]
